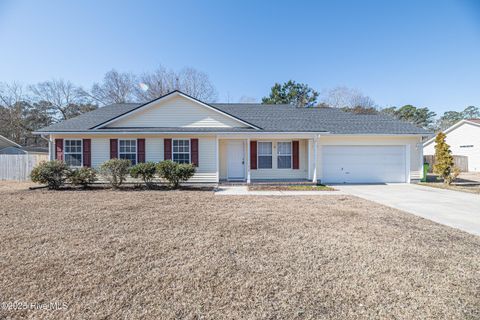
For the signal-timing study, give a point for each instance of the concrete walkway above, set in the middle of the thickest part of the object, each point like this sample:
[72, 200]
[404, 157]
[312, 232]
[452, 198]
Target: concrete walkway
[243, 191]
[452, 208]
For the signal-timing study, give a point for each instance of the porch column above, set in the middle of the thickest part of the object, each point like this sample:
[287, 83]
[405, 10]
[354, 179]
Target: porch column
[248, 160]
[315, 158]
[217, 151]
[51, 148]
[309, 160]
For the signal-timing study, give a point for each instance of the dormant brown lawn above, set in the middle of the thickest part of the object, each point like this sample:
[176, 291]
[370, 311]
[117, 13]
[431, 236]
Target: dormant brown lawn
[191, 254]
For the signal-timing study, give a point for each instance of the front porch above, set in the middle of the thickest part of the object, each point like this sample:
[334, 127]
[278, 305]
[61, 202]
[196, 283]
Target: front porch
[275, 160]
[273, 182]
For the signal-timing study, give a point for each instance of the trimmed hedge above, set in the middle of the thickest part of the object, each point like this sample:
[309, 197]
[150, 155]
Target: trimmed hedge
[175, 173]
[52, 173]
[115, 171]
[82, 176]
[145, 171]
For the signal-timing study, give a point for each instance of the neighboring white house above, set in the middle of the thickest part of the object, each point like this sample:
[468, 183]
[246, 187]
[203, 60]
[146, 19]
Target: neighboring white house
[464, 140]
[244, 142]
[9, 147]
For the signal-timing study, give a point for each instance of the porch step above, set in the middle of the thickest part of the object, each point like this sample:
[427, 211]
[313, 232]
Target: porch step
[268, 182]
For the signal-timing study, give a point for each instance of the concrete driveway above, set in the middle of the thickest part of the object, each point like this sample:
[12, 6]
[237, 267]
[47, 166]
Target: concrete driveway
[452, 208]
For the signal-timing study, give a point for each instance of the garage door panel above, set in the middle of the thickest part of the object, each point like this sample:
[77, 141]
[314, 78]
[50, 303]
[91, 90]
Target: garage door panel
[363, 164]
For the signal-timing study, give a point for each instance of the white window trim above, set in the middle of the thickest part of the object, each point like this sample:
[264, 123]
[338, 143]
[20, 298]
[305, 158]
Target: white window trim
[291, 154]
[65, 151]
[189, 148]
[136, 149]
[258, 155]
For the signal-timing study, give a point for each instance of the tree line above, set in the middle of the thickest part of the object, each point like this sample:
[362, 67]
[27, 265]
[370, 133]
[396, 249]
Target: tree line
[26, 108]
[352, 100]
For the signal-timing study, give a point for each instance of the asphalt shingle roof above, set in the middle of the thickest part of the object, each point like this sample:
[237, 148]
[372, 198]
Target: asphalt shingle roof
[285, 118]
[270, 118]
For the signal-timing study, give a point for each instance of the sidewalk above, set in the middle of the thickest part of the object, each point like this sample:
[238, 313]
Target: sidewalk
[243, 191]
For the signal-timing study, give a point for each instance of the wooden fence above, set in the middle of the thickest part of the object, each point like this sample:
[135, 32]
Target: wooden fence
[18, 166]
[460, 161]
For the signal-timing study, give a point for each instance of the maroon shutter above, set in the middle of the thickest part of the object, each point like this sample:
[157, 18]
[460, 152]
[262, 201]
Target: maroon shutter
[295, 155]
[194, 146]
[87, 153]
[141, 150]
[113, 148]
[59, 149]
[253, 155]
[167, 149]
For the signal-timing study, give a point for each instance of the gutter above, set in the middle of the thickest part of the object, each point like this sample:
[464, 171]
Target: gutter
[176, 132]
[254, 133]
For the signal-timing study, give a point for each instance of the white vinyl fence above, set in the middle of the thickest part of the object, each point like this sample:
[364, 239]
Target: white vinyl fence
[18, 166]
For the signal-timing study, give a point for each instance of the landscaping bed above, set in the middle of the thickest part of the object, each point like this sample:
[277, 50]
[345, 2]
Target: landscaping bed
[466, 182]
[455, 187]
[153, 254]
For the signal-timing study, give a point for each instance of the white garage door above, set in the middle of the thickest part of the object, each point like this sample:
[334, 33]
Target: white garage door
[363, 164]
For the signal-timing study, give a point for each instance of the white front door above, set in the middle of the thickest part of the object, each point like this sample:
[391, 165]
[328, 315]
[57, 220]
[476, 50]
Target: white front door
[236, 160]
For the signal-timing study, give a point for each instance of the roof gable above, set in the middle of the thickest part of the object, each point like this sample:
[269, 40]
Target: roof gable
[4, 142]
[175, 110]
[472, 122]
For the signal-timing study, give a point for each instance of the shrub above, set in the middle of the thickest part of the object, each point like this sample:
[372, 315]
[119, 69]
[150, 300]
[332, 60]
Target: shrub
[145, 171]
[444, 164]
[52, 173]
[453, 175]
[175, 173]
[82, 177]
[115, 171]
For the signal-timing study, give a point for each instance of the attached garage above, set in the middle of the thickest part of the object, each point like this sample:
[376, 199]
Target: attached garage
[364, 164]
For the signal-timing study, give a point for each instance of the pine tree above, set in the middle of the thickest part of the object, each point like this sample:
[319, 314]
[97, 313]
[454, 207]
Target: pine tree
[444, 164]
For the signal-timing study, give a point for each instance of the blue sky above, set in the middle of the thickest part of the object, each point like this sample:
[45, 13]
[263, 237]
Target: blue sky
[425, 53]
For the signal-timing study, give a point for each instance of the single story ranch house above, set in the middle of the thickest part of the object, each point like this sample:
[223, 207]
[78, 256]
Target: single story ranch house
[244, 142]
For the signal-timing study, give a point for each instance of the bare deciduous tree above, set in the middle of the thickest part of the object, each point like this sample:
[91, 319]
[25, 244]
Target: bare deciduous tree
[344, 97]
[196, 84]
[116, 87]
[155, 84]
[162, 81]
[11, 93]
[247, 99]
[60, 94]
[13, 106]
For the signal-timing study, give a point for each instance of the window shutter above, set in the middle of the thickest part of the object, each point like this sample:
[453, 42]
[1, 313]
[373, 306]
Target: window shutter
[141, 150]
[87, 153]
[194, 151]
[253, 155]
[167, 149]
[295, 154]
[59, 149]
[113, 148]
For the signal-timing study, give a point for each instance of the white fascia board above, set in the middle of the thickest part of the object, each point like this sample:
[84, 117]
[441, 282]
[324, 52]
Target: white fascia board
[375, 134]
[207, 133]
